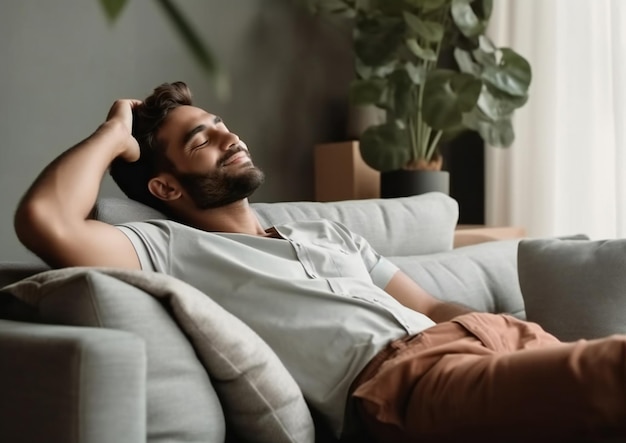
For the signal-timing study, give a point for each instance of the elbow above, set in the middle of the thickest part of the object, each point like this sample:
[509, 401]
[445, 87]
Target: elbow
[32, 225]
[25, 222]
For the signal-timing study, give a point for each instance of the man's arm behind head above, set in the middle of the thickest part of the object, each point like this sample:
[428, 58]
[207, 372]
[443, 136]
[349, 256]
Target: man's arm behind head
[52, 219]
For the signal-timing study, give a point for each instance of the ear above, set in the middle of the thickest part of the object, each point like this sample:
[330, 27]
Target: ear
[164, 187]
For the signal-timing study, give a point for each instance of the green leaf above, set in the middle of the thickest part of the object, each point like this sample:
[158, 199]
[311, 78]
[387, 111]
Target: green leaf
[466, 63]
[113, 8]
[447, 95]
[417, 74]
[377, 41]
[418, 51]
[511, 73]
[427, 5]
[401, 86]
[362, 71]
[497, 105]
[385, 70]
[483, 9]
[363, 5]
[498, 133]
[366, 92]
[485, 54]
[466, 19]
[429, 31]
[200, 52]
[336, 7]
[486, 44]
[503, 68]
[385, 147]
[389, 7]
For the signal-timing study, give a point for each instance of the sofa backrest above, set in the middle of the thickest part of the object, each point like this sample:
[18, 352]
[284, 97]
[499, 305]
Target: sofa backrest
[421, 224]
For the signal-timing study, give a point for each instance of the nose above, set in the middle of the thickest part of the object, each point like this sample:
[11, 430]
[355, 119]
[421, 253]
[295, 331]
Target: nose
[228, 140]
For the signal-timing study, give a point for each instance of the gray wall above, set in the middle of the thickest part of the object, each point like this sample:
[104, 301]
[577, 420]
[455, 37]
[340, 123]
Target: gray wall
[62, 65]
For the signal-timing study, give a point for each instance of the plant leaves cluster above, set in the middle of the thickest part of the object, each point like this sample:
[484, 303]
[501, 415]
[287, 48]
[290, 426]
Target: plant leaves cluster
[398, 45]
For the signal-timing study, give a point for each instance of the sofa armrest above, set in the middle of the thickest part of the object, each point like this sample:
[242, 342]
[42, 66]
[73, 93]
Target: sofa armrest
[71, 384]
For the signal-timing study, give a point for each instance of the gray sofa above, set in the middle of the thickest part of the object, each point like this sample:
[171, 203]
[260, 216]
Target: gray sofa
[99, 360]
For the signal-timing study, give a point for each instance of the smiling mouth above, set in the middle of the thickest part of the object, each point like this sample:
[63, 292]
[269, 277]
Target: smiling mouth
[237, 157]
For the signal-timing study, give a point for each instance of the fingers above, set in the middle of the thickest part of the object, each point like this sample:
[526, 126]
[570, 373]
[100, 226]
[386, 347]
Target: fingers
[121, 105]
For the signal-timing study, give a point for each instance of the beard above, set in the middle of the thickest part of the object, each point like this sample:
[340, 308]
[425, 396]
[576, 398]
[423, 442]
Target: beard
[213, 190]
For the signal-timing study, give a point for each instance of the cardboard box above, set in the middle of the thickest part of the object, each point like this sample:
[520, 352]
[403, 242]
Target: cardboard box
[341, 173]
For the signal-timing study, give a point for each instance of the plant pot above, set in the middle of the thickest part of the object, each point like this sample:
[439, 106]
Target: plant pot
[403, 183]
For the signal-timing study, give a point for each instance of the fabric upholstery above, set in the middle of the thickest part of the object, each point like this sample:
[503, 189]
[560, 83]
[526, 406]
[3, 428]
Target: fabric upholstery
[68, 384]
[11, 272]
[420, 224]
[574, 288]
[121, 210]
[483, 276]
[181, 402]
[262, 401]
[407, 230]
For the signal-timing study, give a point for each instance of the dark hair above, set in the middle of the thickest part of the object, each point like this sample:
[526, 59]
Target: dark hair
[133, 178]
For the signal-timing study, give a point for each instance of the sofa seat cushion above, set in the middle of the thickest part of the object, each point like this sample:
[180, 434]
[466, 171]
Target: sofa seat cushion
[574, 288]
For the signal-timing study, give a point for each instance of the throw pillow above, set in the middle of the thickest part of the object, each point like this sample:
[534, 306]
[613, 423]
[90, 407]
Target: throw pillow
[574, 288]
[181, 404]
[261, 401]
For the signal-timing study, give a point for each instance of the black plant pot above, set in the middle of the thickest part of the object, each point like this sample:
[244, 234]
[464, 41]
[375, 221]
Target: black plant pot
[404, 183]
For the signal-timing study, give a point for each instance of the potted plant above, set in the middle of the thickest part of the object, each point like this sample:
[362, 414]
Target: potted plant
[398, 47]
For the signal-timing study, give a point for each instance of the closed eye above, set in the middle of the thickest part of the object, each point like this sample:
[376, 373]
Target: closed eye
[204, 143]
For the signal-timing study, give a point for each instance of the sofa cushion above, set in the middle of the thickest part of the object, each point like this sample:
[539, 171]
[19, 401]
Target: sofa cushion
[181, 402]
[574, 288]
[420, 224]
[261, 400]
[482, 276]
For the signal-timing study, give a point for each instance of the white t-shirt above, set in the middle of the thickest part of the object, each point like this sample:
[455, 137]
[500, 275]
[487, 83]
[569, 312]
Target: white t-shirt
[315, 295]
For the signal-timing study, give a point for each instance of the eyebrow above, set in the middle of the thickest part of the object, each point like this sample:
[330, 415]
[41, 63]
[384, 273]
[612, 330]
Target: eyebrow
[189, 135]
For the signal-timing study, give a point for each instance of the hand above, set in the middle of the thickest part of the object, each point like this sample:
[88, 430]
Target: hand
[122, 113]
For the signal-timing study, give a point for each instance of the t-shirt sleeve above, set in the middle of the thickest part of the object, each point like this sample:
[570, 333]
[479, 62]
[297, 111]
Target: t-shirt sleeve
[151, 241]
[382, 272]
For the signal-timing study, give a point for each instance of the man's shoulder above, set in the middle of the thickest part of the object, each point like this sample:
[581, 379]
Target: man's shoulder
[158, 228]
[155, 223]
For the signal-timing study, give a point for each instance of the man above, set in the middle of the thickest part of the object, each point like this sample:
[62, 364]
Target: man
[350, 327]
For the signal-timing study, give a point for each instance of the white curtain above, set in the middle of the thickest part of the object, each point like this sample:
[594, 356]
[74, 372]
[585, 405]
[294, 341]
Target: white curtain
[566, 172]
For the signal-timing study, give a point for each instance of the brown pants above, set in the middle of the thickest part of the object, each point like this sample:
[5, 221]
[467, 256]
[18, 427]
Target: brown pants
[485, 377]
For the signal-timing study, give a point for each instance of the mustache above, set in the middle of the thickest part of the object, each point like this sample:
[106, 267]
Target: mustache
[232, 151]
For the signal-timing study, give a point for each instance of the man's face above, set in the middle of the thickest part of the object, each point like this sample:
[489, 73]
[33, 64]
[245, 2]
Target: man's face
[212, 165]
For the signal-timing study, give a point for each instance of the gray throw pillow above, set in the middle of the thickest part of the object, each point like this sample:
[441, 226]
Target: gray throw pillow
[574, 288]
[261, 401]
[182, 404]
